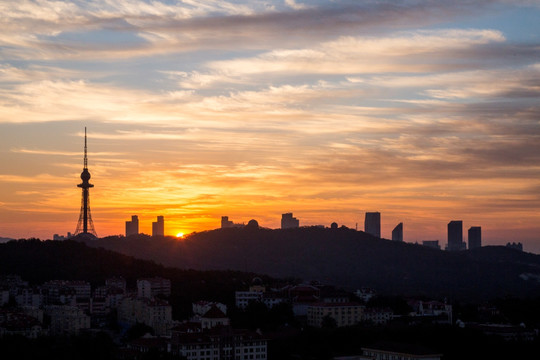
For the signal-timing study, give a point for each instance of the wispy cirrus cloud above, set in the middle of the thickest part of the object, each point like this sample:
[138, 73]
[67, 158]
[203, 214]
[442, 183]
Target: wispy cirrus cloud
[423, 110]
[159, 27]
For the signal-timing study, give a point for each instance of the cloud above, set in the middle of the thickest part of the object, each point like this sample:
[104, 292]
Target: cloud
[60, 153]
[412, 52]
[296, 6]
[52, 30]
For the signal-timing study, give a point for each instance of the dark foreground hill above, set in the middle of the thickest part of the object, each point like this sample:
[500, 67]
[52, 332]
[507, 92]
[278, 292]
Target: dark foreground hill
[39, 261]
[346, 258]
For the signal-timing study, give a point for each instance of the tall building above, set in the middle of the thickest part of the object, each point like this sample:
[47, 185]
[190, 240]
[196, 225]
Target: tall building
[85, 225]
[158, 227]
[132, 227]
[289, 222]
[397, 233]
[455, 236]
[475, 237]
[372, 223]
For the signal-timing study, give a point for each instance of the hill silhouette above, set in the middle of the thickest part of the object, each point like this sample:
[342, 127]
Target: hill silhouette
[40, 261]
[346, 258]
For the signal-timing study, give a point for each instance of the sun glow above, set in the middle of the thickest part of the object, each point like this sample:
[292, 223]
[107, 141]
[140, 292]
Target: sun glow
[180, 235]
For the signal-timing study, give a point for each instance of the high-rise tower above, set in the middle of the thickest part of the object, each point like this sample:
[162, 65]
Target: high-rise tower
[372, 223]
[455, 236]
[85, 225]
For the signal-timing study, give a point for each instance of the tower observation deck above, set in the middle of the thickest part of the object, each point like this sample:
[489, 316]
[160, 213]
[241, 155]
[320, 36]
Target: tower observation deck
[85, 225]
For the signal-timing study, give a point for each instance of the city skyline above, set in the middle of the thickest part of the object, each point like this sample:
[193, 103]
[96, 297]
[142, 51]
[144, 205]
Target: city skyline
[423, 111]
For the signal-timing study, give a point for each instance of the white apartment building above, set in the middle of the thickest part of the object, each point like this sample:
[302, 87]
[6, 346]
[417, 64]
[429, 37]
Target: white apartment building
[214, 317]
[345, 314]
[397, 354]
[378, 316]
[155, 313]
[244, 297]
[222, 344]
[61, 291]
[150, 287]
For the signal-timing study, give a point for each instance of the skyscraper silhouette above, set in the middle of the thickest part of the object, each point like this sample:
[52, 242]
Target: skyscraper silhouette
[289, 222]
[85, 225]
[397, 233]
[132, 227]
[158, 227]
[475, 237]
[455, 236]
[372, 223]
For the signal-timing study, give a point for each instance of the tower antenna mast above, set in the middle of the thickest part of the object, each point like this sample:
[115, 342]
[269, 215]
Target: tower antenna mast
[85, 225]
[85, 151]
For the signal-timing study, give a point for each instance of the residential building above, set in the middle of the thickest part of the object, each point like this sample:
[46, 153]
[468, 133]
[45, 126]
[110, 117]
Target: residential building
[344, 314]
[397, 233]
[301, 297]
[144, 344]
[66, 319]
[132, 227]
[158, 227]
[202, 307]
[475, 237]
[271, 299]
[29, 297]
[150, 287]
[372, 224]
[438, 311]
[118, 282]
[213, 318]
[63, 291]
[155, 313]
[330, 294]
[378, 316]
[243, 298]
[220, 343]
[289, 222]
[18, 323]
[392, 351]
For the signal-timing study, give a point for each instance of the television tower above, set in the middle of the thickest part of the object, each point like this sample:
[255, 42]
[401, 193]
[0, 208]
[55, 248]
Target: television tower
[85, 225]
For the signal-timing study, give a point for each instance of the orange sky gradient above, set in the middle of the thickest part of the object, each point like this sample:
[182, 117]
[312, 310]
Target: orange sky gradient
[424, 111]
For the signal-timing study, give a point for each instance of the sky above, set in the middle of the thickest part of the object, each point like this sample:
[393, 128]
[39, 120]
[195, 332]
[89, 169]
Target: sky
[426, 111]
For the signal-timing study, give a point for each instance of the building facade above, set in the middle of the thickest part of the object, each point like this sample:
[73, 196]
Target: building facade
[150, 287]
[372, 224]
[132, 227]
[475, 237]
[344, 314]
[455, 236]
[158, 227]
[289, 222]
[397, 233]
[155, 313]
[223, 343]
